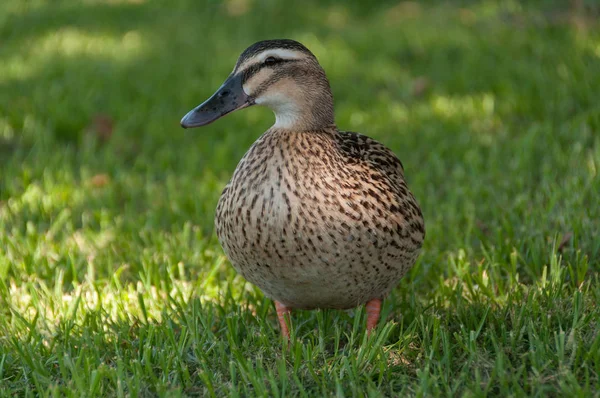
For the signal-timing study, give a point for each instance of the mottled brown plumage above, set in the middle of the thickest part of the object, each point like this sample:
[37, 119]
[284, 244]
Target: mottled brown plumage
[314, 216]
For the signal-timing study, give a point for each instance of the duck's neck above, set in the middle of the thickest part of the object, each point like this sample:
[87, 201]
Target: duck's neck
[308, 108]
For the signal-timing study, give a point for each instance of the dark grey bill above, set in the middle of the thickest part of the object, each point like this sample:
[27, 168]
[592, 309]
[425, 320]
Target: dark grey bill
[228, 98]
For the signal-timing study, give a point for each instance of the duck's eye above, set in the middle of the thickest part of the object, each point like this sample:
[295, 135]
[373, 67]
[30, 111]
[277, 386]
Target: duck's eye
[270, 61]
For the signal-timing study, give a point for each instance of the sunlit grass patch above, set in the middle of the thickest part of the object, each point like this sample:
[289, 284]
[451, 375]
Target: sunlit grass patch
[72, 42]
[66, 43]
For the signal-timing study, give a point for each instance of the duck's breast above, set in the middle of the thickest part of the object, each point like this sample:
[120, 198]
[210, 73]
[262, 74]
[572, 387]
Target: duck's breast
[311, 230]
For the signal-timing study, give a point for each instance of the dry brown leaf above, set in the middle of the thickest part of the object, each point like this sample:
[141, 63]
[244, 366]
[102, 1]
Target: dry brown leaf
[100, 180]
[102, 126]
[237, 8]
[420, 85]
[466, 16]
[564, 241]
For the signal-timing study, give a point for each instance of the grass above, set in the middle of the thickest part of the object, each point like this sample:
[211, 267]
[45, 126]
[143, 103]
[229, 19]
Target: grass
[111, 279]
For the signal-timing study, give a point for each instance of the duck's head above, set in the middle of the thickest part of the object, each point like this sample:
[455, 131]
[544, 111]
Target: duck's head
[280, 74]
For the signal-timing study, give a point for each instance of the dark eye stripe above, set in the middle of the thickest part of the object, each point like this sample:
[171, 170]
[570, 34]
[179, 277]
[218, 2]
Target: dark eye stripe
[263, 86]
[250, 71]
[253, 69]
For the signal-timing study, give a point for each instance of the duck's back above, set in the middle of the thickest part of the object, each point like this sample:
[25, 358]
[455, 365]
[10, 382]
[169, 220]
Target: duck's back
[320, 219]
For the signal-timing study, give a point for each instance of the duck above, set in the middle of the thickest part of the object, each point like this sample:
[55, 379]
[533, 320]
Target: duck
[315, 217]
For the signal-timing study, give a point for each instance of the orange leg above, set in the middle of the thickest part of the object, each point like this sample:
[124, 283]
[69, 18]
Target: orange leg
[282, 311]
[373, 310]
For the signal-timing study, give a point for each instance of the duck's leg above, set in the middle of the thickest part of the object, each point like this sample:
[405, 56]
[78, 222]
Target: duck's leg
[373, 310]
[283, 312]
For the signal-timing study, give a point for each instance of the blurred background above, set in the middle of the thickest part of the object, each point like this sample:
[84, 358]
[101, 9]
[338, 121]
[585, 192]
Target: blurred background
[493, 107]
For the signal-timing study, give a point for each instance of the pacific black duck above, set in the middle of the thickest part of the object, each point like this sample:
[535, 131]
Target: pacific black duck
[314, 216]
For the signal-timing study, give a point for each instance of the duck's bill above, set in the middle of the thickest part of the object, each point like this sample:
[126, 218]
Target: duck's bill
[228, 98]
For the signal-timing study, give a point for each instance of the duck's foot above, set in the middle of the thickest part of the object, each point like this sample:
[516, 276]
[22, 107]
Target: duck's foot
[283, 312]
[373, 310]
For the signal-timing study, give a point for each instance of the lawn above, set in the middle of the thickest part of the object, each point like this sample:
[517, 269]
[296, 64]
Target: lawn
[112, 282]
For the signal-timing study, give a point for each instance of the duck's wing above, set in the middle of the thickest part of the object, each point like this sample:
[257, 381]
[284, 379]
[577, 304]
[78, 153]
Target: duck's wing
[365, 149]
[384, 176]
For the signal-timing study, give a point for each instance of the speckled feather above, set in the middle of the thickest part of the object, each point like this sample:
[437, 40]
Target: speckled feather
[320, 219]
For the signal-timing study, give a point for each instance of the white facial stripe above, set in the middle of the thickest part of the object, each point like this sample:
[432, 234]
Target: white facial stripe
[280, 53]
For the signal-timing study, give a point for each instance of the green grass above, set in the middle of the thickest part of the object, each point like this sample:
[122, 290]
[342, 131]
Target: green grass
[111, 279]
